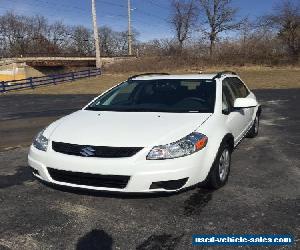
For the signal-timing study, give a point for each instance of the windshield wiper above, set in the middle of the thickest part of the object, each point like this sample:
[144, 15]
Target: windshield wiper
[94, 108]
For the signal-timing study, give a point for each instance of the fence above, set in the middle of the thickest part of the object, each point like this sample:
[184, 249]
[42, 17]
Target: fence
[33, 82]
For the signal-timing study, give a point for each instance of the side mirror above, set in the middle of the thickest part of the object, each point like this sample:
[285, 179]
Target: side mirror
[245, 103]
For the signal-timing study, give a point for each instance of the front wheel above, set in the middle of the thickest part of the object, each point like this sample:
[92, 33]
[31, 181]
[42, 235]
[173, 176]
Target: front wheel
[220, 170]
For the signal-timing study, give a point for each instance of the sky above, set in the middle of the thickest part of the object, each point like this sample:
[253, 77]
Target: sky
[149, 17]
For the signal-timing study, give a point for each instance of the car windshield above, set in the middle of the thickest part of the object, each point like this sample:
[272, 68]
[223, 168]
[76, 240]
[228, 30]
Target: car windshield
[165, 95]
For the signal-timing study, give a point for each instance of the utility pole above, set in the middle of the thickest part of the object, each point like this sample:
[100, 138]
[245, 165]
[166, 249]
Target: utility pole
[129, 29]
[96, 36]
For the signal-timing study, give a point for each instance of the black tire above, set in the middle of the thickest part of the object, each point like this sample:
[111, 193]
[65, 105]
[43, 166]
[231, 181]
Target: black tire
[215, 180]
[253, 132]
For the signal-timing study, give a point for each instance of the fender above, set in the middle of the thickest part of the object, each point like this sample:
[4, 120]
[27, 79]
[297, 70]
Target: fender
[212, 151]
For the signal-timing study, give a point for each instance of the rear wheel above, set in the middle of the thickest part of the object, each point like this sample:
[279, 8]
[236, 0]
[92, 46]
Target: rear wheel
[253, 132]
[220, 170]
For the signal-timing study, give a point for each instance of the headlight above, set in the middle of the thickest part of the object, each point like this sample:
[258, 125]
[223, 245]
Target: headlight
[40, 142]
[186, 146]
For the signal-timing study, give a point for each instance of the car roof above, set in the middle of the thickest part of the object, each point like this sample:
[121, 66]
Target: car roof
[179, 76]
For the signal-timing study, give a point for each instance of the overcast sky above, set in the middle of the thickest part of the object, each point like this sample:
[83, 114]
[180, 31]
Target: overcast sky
[149, 16]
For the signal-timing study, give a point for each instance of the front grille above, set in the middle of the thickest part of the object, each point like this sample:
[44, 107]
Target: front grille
[94, 151]
[95, 180]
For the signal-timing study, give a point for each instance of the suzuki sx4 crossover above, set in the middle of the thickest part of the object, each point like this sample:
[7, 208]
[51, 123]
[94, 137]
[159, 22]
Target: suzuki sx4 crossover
[151, 133]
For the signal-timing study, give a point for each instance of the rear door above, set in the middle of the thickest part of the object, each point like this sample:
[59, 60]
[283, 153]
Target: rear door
[236, 119]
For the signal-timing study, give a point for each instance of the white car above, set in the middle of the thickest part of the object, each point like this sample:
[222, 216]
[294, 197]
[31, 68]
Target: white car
[151, 133]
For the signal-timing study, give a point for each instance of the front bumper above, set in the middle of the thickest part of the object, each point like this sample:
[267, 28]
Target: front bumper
[143, 175]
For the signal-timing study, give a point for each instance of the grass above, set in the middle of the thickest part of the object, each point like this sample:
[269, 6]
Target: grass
[256, 78]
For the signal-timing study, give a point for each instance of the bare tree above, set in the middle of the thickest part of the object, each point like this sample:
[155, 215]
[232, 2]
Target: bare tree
[183, 19]
[220, 17]
[285, 20]
[35, 36]
[59, 35]
[107, 38]
[82, 41]
[14, 32]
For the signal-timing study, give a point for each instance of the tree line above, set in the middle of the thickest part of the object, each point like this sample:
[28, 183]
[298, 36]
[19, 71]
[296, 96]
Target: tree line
[271, 38]
[22, 36]
[207, 30]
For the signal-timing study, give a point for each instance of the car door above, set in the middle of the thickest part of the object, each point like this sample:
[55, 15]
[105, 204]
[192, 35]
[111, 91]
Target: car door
[236, 119]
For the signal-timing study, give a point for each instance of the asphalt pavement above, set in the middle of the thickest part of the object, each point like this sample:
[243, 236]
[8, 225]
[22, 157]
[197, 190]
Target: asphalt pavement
[261, 197]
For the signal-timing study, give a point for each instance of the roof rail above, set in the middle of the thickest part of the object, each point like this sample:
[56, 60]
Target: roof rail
[146, 74]
[220, 74]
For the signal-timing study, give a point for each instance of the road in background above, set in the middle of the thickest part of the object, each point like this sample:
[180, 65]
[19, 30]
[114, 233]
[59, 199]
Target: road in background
[262, 195]
[22, 116]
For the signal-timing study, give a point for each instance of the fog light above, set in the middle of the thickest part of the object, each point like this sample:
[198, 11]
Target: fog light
[169, 185]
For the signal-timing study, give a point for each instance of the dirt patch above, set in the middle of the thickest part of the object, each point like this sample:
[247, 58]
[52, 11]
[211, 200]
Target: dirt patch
[197, 201]
[21, 176]
[94, 240]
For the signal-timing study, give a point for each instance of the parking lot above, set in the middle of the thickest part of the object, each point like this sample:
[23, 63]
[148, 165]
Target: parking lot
[262, 195]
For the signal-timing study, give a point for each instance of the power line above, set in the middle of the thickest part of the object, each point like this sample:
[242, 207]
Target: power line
[63, 6]
[25, 12]
[156, 4]
[79, 8]
[138, 20]
[150, 14]
[66, 7]
[113, 4]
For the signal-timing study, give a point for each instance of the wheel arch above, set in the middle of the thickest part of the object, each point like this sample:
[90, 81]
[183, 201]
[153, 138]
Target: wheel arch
[228, 139]
[213, 150]
[259, 110]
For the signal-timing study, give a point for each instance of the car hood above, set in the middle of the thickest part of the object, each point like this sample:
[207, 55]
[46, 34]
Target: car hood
[125, 129]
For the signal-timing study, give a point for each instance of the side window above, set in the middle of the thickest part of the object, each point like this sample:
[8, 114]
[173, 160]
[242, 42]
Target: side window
[238, 87]
[234, 88]
[243, 91]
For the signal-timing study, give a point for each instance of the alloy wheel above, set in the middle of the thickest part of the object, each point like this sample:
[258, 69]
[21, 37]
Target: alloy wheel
[224, 164]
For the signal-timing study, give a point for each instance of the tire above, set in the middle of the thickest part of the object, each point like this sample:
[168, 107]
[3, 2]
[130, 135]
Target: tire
[253, 132]
[220, 169]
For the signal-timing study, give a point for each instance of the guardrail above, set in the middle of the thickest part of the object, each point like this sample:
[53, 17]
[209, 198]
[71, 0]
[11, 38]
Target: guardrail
[33, 82]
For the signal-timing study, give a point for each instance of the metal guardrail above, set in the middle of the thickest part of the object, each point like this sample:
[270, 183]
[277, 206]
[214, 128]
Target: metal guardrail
[33, 82]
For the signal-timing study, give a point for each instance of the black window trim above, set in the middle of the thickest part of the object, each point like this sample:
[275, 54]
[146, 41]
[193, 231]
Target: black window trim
[230, 108]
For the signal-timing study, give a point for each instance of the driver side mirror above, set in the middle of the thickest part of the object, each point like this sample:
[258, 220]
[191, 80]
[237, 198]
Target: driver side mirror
[245, 103]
